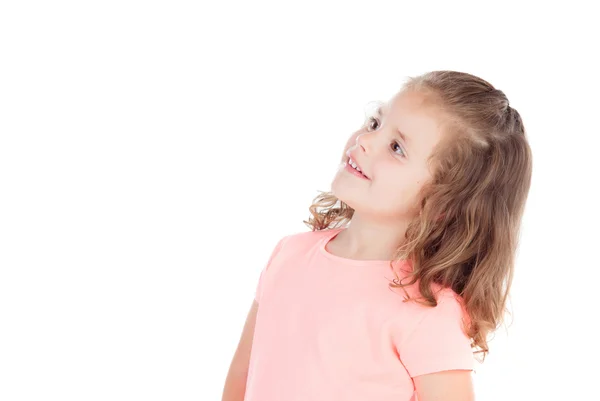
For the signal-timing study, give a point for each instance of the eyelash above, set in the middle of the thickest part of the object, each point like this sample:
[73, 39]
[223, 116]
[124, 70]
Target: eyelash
[375, 119]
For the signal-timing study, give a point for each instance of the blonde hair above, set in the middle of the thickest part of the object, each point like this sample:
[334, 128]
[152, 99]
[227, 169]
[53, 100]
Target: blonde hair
[467, 232]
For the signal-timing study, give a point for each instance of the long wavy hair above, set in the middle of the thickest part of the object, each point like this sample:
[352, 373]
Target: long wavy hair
[467, 232]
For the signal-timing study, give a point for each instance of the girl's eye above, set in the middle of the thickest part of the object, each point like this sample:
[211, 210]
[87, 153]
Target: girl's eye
[396, 148]
[374, 124]
[371, 121]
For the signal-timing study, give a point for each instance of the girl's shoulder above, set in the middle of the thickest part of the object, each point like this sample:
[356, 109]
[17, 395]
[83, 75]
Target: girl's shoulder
[308, 238]
[302, 242]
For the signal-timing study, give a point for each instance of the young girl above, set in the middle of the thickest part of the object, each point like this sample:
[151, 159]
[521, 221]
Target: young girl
[409, 262]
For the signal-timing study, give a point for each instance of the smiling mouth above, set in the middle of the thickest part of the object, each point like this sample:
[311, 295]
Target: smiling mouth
[355, 168]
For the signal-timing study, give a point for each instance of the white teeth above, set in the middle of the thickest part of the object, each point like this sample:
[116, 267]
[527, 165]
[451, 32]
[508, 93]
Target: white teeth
[353, 164]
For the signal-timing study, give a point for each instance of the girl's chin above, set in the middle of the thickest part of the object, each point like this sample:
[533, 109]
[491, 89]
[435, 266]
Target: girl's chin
[345, 195]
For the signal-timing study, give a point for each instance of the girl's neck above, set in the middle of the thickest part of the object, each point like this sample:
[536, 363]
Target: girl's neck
[366, 240]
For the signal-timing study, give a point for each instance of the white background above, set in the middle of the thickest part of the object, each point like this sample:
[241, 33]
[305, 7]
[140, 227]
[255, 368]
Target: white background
[152, 154]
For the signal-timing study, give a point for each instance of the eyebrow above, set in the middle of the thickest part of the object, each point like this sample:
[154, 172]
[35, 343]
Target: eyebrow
[404, 137]
[397, 130]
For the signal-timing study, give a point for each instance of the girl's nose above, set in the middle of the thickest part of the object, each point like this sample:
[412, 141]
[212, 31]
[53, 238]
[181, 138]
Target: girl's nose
[363, 141]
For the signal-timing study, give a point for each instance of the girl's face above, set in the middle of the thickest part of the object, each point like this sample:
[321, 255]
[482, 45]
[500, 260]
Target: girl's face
[391, 152]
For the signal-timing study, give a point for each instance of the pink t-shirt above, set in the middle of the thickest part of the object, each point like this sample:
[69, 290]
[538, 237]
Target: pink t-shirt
[330, 328]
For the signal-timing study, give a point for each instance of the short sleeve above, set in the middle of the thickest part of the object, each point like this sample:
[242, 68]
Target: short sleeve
[264, 272]
[437, 342]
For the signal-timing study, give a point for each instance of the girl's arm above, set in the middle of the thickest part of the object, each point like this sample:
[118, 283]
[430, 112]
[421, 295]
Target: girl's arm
[235, 384]
[448, 385]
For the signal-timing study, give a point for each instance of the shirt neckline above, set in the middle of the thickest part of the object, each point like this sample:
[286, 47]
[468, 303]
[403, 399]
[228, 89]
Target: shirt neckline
[351, 262]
